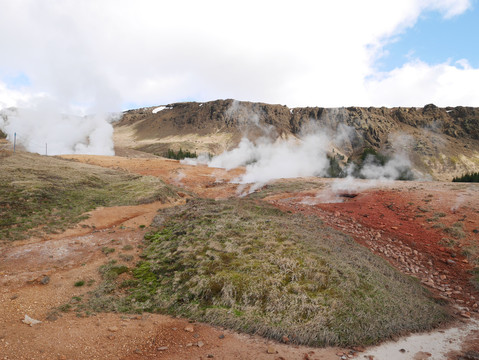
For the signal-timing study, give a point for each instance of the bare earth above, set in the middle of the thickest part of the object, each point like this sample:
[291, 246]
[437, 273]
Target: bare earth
[38, 275]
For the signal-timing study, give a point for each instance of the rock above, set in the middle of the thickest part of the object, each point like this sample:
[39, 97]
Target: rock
[189, 345]
[189, 328]
[359, 348]
[30, 321]
[45, 280]
[450, 262]
[200, 344]
[210, 356]
[466, 315]
[111, 337]
[162, 348]
[222, 336]
[113, 328]
[422, 355]
[402, 350]
[271, 350]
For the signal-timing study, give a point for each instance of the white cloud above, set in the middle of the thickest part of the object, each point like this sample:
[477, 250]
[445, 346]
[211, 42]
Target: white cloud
[417, 83]
[11, 97]
[105, 53]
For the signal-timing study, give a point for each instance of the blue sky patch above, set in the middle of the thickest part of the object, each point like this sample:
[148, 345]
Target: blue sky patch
[436, 40]
[17, 81]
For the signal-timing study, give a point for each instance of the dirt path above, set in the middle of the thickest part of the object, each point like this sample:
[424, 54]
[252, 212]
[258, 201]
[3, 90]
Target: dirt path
[38, 275]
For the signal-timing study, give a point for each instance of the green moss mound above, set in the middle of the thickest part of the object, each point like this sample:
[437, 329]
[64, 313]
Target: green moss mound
[248, 266]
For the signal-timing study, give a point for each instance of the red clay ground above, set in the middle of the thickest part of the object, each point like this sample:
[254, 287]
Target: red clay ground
[390, 219]
[407, 223]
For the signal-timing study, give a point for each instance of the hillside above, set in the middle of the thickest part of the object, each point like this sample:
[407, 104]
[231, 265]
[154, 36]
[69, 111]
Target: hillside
[441, 142]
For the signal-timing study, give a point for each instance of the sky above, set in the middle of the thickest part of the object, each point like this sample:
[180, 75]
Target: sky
[95, 56]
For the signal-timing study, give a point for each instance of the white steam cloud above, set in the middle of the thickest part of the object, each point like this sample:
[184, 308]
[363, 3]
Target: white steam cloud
[44, 129]
[398, 166]
[267, 159]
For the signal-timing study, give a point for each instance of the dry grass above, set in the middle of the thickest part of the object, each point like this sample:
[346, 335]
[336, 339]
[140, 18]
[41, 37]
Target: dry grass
[248, 266]
[42, 194]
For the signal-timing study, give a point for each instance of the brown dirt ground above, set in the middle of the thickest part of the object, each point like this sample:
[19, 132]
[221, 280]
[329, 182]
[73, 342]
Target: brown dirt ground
[383, 218]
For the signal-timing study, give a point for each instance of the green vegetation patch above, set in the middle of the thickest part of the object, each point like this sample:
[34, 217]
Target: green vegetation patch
[180, 154]
[469, 177]
[248, 266]
[40, 194]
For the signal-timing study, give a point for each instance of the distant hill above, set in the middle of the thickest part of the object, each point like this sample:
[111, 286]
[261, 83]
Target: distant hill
[441, 142]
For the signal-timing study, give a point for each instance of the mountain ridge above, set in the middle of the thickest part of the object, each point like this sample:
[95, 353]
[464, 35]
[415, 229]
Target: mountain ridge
[441, 142]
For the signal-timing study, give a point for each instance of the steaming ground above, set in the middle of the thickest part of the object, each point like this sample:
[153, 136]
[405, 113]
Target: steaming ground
[44, 129]
[266, 160]
[271, 157]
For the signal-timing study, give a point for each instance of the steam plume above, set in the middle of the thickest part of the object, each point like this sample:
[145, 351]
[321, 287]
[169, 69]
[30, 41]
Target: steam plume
[42, 127]
[268, 157]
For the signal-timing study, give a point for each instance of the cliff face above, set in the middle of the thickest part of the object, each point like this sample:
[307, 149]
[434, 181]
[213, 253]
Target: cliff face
[442, 142]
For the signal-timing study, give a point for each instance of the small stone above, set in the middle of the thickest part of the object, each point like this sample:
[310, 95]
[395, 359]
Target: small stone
[285, 339]
[189, 328]
[222, 336]
[402, 350]
[359, 348]
[189, 345]
[450, 262]
[162, 348]
[210, 356]
[14, 296]
[196, 336]
[271, 350]
[466, 315]
[30, 321]
[422, 355]
[113, 328]
[200, 344]
[45, 280]
[111, 337]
